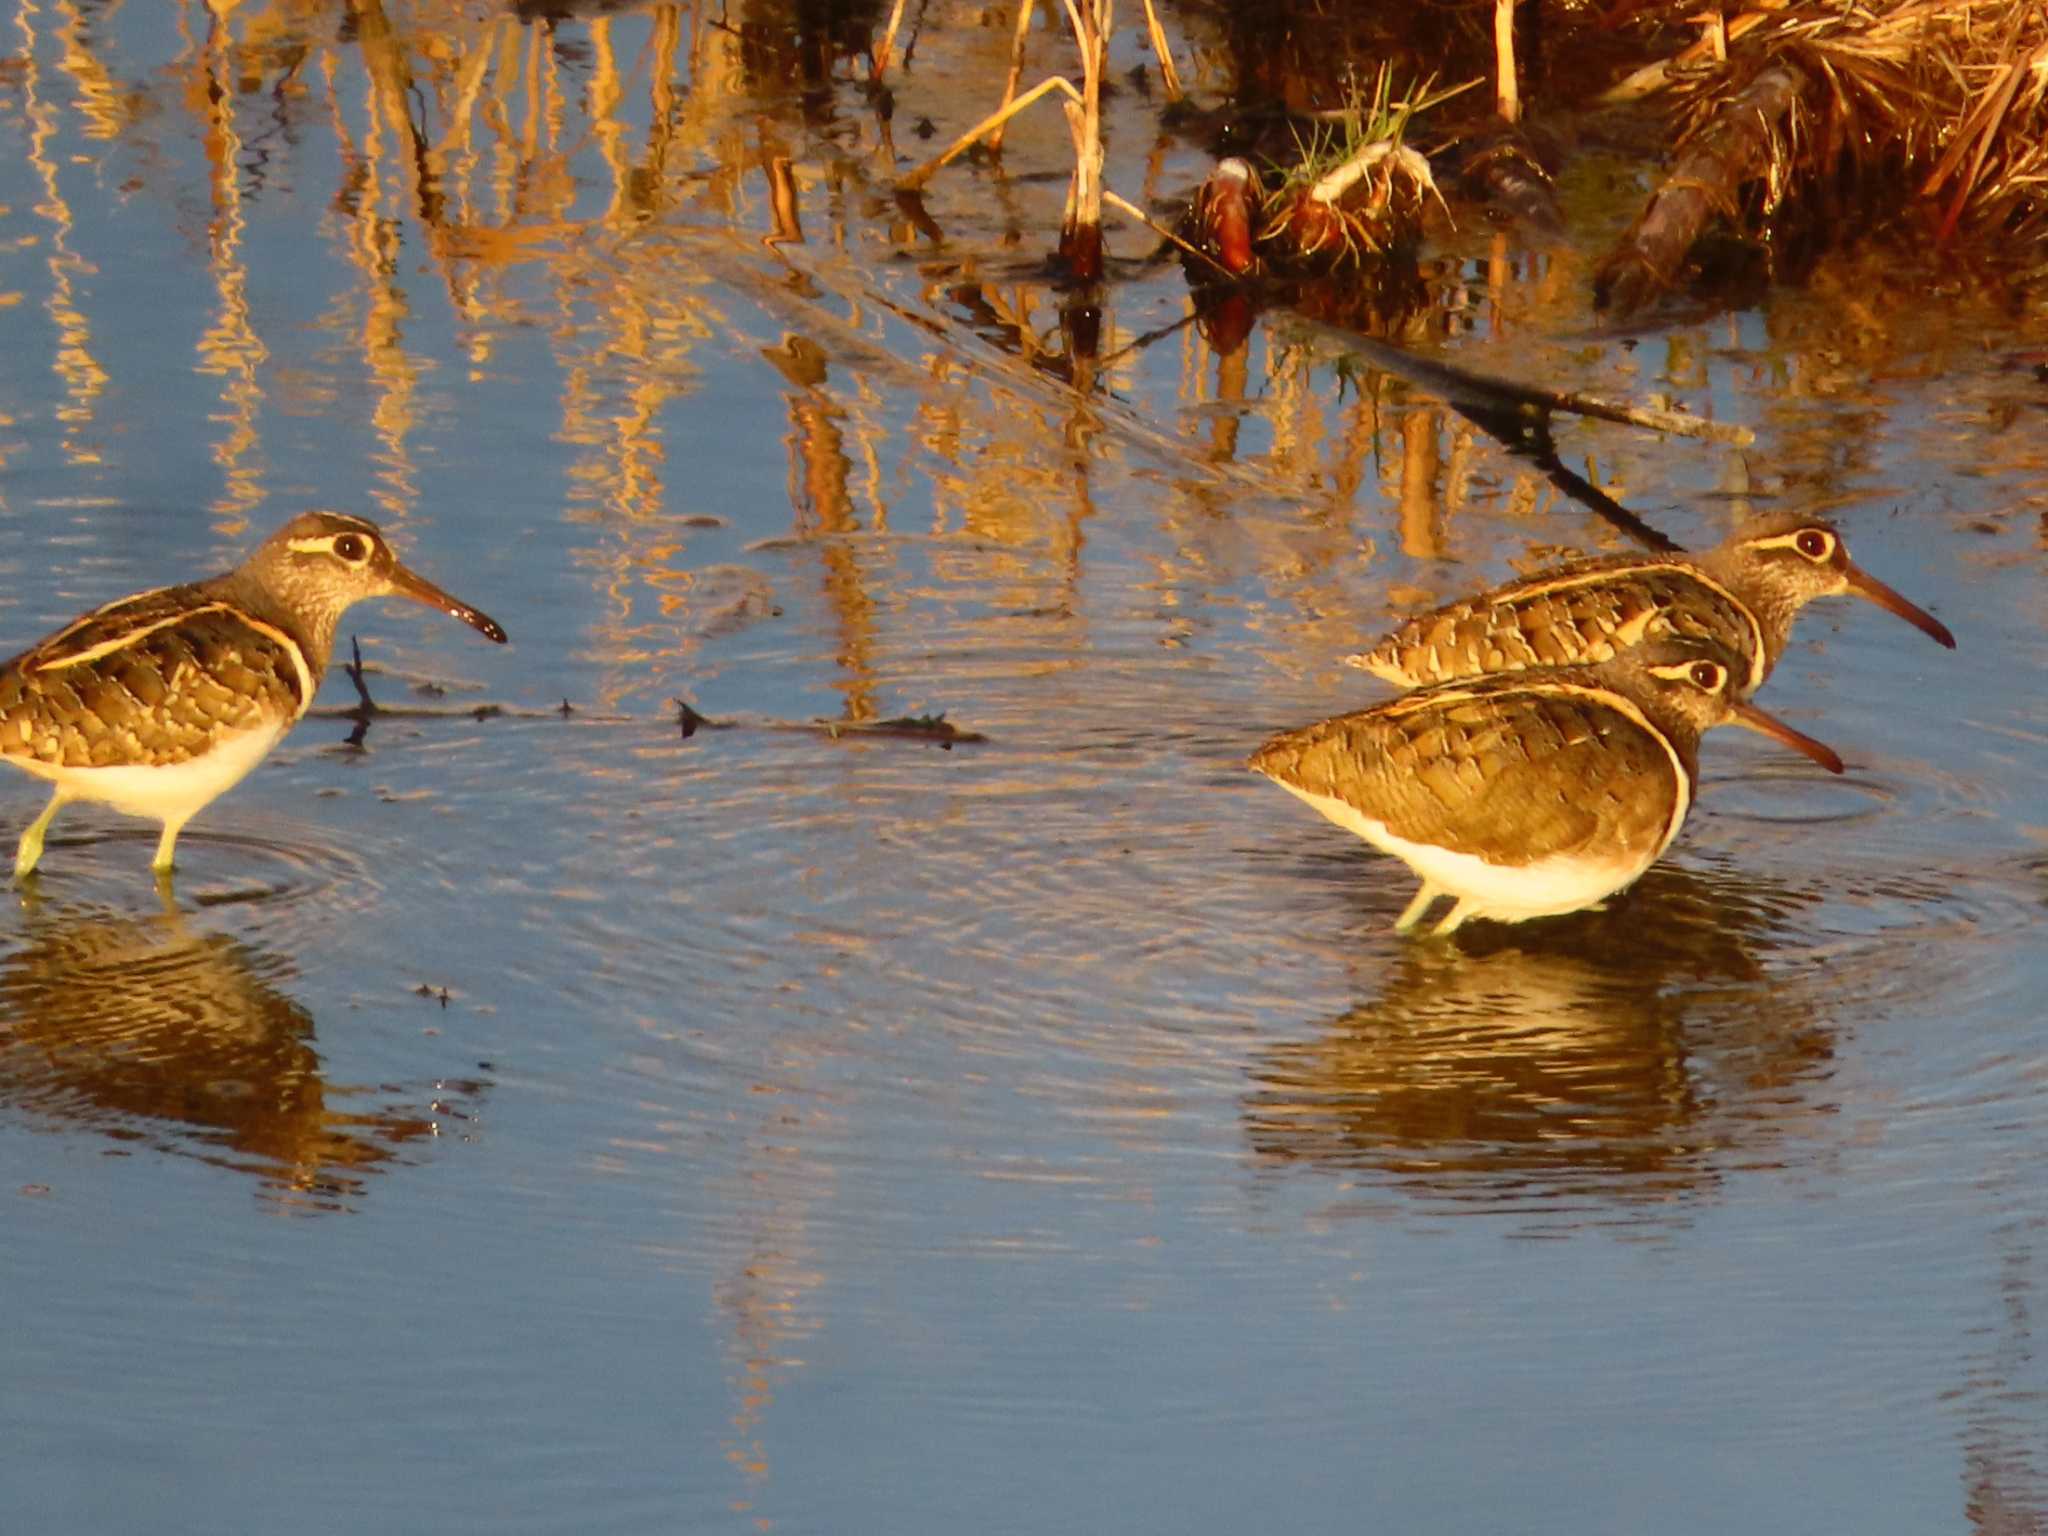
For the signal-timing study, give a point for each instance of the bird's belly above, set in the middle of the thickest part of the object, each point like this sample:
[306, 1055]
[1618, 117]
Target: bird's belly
[162, 792]
[1559, 883]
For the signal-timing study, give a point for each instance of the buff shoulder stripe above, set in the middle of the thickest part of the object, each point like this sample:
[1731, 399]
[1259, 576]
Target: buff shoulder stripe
[1544, 587]
[307, 682]
[104, 611]
[46, 662]
[301, 668]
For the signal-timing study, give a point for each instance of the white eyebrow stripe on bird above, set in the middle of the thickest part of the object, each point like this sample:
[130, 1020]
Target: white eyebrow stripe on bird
[322, 545]
[1787, 541]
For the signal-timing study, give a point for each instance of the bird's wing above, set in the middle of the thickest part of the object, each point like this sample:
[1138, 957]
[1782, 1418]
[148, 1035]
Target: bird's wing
[1487, 772]
[1575, 614]
[151, 680]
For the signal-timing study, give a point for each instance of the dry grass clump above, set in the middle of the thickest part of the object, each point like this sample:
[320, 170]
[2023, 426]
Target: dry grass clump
[1825, 110]
[1352, 192]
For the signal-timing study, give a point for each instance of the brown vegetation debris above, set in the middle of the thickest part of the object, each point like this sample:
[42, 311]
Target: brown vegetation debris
[1824, 108]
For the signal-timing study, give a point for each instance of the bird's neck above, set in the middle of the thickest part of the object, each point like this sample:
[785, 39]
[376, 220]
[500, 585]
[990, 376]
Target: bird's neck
[310, 623]
[1752, 586]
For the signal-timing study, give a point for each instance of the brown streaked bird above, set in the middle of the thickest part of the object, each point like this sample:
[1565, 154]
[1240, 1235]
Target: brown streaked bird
[1743, 594]
[1532, 793]
[159, 702]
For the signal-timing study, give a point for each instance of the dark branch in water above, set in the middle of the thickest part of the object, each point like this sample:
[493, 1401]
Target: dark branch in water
[933, 728]
[365, 705]
[366, 708]
[1518, 417]
[1529, 438]
[1473, 393]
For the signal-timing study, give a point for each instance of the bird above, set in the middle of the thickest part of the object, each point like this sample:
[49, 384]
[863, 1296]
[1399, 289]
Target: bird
[1527, 794]
[157, 703]
[1743, 593]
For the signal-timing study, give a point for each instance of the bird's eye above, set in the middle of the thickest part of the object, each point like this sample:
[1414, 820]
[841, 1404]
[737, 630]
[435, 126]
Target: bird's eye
[1815, 543]
[353, 548]
[1708, 675]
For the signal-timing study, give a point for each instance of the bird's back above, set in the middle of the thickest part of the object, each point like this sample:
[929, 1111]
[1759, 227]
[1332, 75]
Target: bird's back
[1578, 614]
[1498, 770]
[151, 680]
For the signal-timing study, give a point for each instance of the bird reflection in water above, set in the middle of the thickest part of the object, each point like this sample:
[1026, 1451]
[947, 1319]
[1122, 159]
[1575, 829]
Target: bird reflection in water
[150, 1032]
[1613, 1058]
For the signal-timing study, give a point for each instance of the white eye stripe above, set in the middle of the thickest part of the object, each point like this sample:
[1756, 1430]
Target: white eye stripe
[1683, 672]
[324, 544]
[1791, 541]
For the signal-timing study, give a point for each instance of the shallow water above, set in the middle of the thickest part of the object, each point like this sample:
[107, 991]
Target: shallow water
[548, 1121]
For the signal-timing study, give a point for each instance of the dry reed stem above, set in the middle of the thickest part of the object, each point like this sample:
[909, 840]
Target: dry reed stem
[888, 43]
[1507, 95]
[1081, 226]
[1894, 87]
[1979, 132]
[1024, 9]
[924, 173]
[1169, 77]
[1652, 78]
[1132, 210]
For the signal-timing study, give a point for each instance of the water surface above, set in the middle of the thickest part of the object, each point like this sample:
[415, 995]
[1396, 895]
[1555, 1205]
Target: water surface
[551, 1122]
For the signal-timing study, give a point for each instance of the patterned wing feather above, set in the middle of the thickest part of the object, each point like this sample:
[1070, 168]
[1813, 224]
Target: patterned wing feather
[1581, 614]
[155, 679]
[1508, 777]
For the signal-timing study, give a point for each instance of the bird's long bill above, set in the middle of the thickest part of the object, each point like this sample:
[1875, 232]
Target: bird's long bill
[415, 586]
[1778, 730]
[1863, 584]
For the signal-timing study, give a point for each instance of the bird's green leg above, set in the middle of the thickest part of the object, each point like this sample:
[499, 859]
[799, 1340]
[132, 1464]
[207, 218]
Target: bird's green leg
[31, 848]
[1455, 918]
[1412, 913]
[163, 863]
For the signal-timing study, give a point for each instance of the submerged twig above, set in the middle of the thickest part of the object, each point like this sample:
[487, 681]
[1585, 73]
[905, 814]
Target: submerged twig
[936, 729]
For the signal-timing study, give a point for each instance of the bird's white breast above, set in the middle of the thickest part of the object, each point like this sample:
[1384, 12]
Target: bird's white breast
[170, 792]
[1562, 883]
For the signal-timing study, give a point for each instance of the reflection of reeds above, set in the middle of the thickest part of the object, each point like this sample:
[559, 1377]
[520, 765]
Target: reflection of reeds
[607, 183]
[230, 348]
[84, 377]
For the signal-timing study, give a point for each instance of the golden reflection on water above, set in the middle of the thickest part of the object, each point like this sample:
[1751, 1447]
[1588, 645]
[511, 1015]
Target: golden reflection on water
[1626, 1061]
[624, 184]
[618, 180]
[84, 378]
[147, 1030]
[230, 349]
